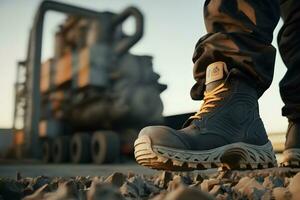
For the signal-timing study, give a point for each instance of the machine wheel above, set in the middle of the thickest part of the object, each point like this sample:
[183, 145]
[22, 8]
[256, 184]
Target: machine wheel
[80, 148]
[60, 149]
[105, 147]
[46, 150]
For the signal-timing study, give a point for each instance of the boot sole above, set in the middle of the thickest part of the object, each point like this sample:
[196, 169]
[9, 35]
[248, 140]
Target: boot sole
[291, 158]
[232, 156]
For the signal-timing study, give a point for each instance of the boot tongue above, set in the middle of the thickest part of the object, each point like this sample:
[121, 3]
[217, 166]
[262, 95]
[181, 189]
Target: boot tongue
[215, 75]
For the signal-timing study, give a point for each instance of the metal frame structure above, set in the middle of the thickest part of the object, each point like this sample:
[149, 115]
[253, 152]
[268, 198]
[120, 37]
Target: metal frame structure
[33, 62]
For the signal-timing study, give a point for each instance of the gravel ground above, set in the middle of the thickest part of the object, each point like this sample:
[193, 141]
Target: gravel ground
[274, 183]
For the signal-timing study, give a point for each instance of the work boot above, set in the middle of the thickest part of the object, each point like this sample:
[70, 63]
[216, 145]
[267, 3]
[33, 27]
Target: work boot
[291, 154]
[227, 131]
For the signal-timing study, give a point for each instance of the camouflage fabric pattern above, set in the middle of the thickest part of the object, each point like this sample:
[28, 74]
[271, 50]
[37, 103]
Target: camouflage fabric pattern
[240, 32]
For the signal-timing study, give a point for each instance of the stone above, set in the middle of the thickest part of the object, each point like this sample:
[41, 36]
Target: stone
[250, 188]
[198, 178]
[139, 184]
[176, 182]
[215, 190]
[272, 182]
[281, 193]
[294, 187]
[151, 188]
[186, 193]
[208, 184]
[129, 190]
[222, 197]
[83, 181]
[130, 174]
[40, 181]
[164, 178]
[38, 194]
[66, 190]
[99, 190]
[117, 179]
[10, 189]
[18, 176]
[160, 196]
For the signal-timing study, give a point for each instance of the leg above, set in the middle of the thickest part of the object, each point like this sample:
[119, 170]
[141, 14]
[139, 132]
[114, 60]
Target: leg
[240, 33]
[289, 47]
[233, 67]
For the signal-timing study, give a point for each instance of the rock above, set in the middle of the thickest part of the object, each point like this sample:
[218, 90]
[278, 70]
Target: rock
[28, 191]
[40, 181]
[129, 190]
[207, 185]
[139, 183]
[267, 195]
[164, 178]
[37, 195]
[117, 179]
[272, 182]
[222, 197]
[281, 193]
[294, 186]
[66, 190]
[185, 193]
[160, 196]
[11, 189]
[287, 181]
[215, 190]
[250, 188]
[130, 174]
[18, 176]
[176, 182]
[227, 188]
[151, 188]
[83, 181]
[99, 190]
[261, 178]
[198, 178]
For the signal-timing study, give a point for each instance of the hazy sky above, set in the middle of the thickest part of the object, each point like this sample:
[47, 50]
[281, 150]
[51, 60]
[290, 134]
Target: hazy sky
[172, 27]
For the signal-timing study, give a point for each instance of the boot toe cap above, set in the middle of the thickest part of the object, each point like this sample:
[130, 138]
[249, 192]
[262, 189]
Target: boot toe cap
[164, 136]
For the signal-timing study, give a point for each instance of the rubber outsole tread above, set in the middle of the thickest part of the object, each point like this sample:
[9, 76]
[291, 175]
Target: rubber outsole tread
[163, 158]
[291, 158]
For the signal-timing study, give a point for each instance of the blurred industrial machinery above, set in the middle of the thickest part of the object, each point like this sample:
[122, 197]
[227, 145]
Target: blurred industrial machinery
[87, 102]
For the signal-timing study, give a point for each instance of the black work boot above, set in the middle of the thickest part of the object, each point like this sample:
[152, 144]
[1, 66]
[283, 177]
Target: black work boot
[291, 154]
[226, 132]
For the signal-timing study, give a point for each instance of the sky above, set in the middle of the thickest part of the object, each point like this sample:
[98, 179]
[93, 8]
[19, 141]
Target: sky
[172, 28]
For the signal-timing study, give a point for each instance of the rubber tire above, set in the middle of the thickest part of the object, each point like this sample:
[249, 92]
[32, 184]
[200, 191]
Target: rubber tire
[105, 147]
[60, 149]
[46, 150]
[80, 148]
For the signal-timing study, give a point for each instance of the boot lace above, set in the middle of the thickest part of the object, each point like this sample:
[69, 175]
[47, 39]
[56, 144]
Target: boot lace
[209, 98]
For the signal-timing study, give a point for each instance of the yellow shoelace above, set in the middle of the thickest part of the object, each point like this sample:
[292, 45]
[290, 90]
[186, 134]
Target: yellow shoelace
[209, 98]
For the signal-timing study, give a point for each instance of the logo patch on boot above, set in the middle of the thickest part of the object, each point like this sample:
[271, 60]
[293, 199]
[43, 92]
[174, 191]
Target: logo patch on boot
[215, 72]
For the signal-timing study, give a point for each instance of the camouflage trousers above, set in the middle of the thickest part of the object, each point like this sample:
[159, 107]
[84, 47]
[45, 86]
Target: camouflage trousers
[240, 32]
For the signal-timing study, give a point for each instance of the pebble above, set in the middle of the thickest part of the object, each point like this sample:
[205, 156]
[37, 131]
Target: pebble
[99, 190]
[164, 178]
[207, 185]
[275, 184]
[294, 187]
[186, 193]
[117, 179]
[37, 195]
[250, 188]
[281, 193]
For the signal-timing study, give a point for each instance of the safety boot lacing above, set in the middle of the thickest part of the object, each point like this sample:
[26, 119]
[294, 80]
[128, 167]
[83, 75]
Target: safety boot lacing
[209, 98]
